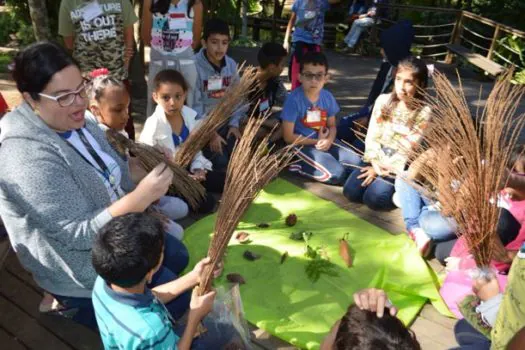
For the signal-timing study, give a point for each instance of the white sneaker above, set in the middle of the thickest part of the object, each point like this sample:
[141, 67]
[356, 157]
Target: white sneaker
[422, 240]
[395, 200]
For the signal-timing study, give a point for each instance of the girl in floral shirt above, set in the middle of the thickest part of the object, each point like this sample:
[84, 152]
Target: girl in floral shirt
[395, 126]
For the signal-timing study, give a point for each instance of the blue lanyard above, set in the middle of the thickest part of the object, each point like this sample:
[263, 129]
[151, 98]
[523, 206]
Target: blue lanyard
[179, 139]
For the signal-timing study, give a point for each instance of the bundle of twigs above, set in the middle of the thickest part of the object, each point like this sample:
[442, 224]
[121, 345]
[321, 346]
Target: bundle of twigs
[235, 96]
[182, 185]
[251, 167]
[469, 156]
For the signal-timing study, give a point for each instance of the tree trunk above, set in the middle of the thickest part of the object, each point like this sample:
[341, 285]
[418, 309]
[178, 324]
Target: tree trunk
[39, 18]
[244, 30]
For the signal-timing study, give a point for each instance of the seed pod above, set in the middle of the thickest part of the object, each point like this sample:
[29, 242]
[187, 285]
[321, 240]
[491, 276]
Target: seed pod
[243, 237]
[283, 257]
[235, 278]
[291, 220]
[344, 251]
[251, 256]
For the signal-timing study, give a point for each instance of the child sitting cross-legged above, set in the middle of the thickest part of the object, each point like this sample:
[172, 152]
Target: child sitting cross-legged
[109, 102]
[308, 118]
[216, 72]
[126, 254]
[269, 89]
[370, 324]
[397, 124]
[171, 124]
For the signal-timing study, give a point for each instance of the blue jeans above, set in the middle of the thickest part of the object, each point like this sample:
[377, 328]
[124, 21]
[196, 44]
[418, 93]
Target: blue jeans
[417, 213]
[330, 167]
[355, 32]
[377, 195]
[176, 259]
[469, 338]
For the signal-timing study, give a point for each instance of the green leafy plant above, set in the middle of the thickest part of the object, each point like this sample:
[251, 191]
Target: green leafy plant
[8, 25]
[319, 263]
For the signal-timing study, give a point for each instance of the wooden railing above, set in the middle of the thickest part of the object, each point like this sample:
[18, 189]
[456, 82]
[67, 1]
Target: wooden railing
[434, 28]
[479, 34]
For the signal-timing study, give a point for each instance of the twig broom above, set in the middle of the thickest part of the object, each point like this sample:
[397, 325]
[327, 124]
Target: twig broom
[251, 167]
[182, 185]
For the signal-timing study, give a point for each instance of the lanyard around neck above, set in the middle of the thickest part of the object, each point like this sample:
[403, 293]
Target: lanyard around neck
[104, 170]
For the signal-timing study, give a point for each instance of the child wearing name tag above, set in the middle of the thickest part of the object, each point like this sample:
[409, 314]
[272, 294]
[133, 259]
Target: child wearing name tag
[173, 30]
[308, 19]
[308, 119]
[269, 89]
[100, 34]
[171, 124]
[216, 72]
[395, 126]
[109, 102]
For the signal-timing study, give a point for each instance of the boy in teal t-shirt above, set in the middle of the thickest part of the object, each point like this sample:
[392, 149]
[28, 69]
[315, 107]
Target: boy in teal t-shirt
[126, 255]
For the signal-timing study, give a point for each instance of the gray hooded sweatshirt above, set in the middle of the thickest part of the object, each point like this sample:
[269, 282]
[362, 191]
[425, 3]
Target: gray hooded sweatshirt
[52, 202]
[204, 98]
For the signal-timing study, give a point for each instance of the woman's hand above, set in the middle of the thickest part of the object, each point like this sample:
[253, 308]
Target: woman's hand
[154, 185]
[484, 289]
[368, 174]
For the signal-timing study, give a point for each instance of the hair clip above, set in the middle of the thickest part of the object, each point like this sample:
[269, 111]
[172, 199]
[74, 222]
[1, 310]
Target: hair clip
[99, 73]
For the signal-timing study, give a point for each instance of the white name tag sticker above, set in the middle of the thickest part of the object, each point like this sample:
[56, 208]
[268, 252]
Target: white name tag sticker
[92, 11]
[215, 83]
[264, 105]
[177, 23]
[313, 116]
[308, 14]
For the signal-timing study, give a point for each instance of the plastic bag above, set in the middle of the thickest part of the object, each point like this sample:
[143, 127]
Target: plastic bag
[228, 313]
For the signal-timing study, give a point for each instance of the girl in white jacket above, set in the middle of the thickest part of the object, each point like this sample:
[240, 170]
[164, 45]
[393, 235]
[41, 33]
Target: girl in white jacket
[172, 122]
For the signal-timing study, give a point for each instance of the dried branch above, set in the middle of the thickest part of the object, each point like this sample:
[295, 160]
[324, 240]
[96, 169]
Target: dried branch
[470, 156]
[251, 167]
[182, 185]
[235, 96]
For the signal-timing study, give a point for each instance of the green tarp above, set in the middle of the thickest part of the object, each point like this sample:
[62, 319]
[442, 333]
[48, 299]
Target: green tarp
[281, 299]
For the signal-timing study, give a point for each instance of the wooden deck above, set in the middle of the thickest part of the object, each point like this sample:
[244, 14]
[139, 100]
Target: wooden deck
[23, 327]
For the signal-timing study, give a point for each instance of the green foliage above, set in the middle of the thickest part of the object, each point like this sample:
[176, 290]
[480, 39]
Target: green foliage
[8, 25]
[6, 58]
[20, 12]
[316, 267]
[25, 35]
[512, 48]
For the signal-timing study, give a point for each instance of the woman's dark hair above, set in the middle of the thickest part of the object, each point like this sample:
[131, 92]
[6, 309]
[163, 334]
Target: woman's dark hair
[170, 76]
[127, 248]
[419, 71]
[163, 6]
[35, 66]
[363, 330]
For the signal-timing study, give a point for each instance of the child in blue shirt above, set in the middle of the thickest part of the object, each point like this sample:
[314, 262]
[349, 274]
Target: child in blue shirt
[308, 119]
[126, 255]
[308, 19]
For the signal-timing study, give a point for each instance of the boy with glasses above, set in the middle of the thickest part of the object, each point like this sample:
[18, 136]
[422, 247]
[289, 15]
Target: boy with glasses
[309, 121]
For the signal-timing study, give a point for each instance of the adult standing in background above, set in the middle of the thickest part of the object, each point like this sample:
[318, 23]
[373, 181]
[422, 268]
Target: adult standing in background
[100, 35]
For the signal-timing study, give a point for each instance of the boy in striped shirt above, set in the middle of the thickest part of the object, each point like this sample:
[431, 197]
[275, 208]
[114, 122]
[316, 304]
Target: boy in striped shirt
[126, 254]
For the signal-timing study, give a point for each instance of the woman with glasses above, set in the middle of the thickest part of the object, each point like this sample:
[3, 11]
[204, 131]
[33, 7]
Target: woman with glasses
[61, 182]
